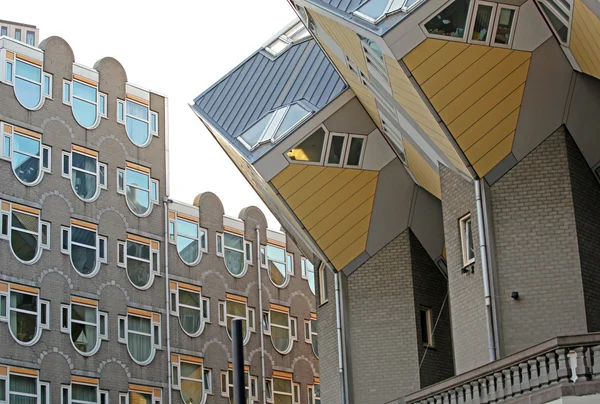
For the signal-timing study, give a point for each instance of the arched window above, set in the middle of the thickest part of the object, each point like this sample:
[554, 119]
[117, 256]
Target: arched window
[140, 258]
[140, 330]
[28, 234]
[311, 334]
[141, 395]
[191, 378]
[250, 382]
[281, 327]
[85, 247]
[236, 307]
[281, 389]
[141, 191]
[236, 252]
[29, 158]
[21, 385]
[31, 84]
[279, 264]
[140, 123]
[188, 236]
[83, 390]
[87, 103]
[24, 311]
[308, 273]
[314, 392]
[85, 324]
[87, 174]
[192, 309]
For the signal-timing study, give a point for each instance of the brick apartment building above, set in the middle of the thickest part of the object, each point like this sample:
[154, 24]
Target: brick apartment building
[110, 291]
[440, 160]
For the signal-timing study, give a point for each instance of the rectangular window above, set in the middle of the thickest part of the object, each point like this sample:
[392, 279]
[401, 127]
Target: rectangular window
[45, 235]
[66, 164]
[120, 181]
[102, 105]
[44, 314]
[335, 149]
[3, 307]
[121, 253]
[208, 381]
[154, 191]
[67, 92]
[30, 39]
[4, 31]
[263, 257]
[219, 244]
[4, 224]
[47, 85]
[296, 393]
[9, 72]
[504, 26]
[206, 309]
[103, 325]
[17, 34]
[426, 326]
[46, 158]
[120, 111]
[64, 318]
[102, 178]
[294, 328]
[64, 240]
[222, 313]
[355, 151]
[466, 237]
[251, 319]
[102, 246]
[323, 284]
[480, 31]
[122, 329]
[154, 123]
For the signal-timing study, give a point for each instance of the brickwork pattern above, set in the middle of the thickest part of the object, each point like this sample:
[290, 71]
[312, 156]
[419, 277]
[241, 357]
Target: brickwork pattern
[537, 252]
[466, 293]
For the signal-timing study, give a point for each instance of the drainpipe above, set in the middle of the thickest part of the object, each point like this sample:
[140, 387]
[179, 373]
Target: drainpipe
[260, 308]
[338, 318]
[166, 201]
[489, 303]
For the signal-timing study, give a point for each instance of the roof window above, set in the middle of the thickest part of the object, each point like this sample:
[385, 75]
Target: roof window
[374, 11]
[297, 33]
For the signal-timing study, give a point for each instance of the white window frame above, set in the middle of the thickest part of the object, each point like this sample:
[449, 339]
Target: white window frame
[202, 247]
[292, 329]
[329, 144]
[247, 246]
[152, 184]
[490, 29]
[41, 386]
[429, 318]
[101, 171]
[152, 117]
[289, 265]
[224, 315]
[156, 399]
[8, 133]
[43, 310]
[101, 247]
[464, 239]
[227, 382]
[512, 28]
[282, 393]
[375, 65]
[444, 37]
[311, 394]
[323, 297]
[306, 273]
[176, 312]
[566, 23]
[176, 383]
[43, 229]
[43, 76]
[101, 100]
[154, 327]
[154, 259]
[394, 136]
[288, 39]
[296, 393]
[323, 149]
[102, 395]
[362, 150]
[101, 322]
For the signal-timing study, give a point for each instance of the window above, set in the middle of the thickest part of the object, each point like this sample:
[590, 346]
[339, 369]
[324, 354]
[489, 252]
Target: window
[192, 309]
[273, 126]
[479, 32]
[141, 333]
[83, 390]
[558, 14]
[375, 60]
[140, 123]
[314, 392]
[375, 11]
[85, 247]
[394, 136]
[504, 24]
[3, 31]
[28, 80]
[308, 273]
[29, 158]
[335, 149]
[311, 149]
[281, 388]
[189, 378]
[17, 34]
[87, 174]
[30, 38]
[141, 395]
[19, 385]
[24, 311]
[426, 323]
[451, 21]
[279, 264]
[140, 258]
[466, 238]
[236, 307]
[86, 325]
[141, 191]
[323, 298]
[87, 103]
[297, 33]
[28, 234]
[189, 238]
[282, 328]
[251, 384]
[234, 251]
[310, 333]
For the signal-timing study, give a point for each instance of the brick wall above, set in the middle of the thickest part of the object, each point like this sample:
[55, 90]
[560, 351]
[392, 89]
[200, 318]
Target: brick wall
[467, 308]
[537, 252]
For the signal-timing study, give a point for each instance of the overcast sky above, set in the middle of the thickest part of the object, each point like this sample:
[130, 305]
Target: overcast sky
[177, 48]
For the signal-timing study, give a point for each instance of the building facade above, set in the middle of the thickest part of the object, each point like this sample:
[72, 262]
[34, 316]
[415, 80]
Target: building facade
[448, 191]
[29, 34]
[110, 291]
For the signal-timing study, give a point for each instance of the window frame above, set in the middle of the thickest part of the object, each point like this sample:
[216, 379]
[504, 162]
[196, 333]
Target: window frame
[43, 227]
[223, 316]
[394, 136]
[491, 27]
[100, 103]
[174, 298]
[221, 248]
[312, 392]
[152, 183]
[289, 264]
[284, 376]
[101, 395]
[310, 334]
[8, 132]
[176, 368]
[154, 253]
[292, 323]
[153, 117]
[101, 256]
[42, 310]
[464, 238]
[252, 384]
[43, 76]
[561, 18]
[323, 148]
[305, 274]
[449, 37]
[429, 327]
[123, 320]
[67, 162]
[101, 321]
[173, 236]
[155, 393]
[323, 295]
[329, 145]
[43, 388]
[512, 28]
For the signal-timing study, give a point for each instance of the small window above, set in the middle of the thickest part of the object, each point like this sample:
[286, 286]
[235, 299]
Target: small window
[481, 25]
[120, 111]
[466, 237]
[451, 21]
[102, 105]
[504, 25]
[154, 123]
[335, 149]
[311, 149]
[139, 188]
[426, 323]
[308, 273]
[8, 75]
[355, 151]
[139, 256]
[47, 85]
[296, 393]
[323, 297]
[311, 334]
[3, 31]
[30, 38]
[141, 333]
[67, 92]
[17, 34]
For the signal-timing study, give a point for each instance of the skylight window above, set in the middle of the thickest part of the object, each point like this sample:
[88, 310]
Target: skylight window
[274, 126]
[297, 33]
[374, 11]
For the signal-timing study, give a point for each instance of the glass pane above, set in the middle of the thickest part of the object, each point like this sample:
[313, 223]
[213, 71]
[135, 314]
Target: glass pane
[190, 319]
[85, 113]
[84, 393]
[83, 259]
[450, 21]
[47, 88]
[83, 236]
[137, 110]
[23, 325]
[153, 124]
[24, 221]
[26, 144]
[139, 398]
[234, 261]
[138, 179]
[482, 23]
[374, 8]
[138, 250]
[6, 148]
[24, 301]
[26, 168]
[84, 184]
[190, 370]
[277, 46]
[67, 92]
[154, 191]
[84, 91]
[310, 149]
[4, 31]
[22, 384]
[28, 71]
[373, 47]
[2, 307]
[2, 389]
[139, 201]
[138, 272]
[191, 392]
[336, 150]
[102, 104]
[30, 38]
[137, 131]
[140, 347]
[187, 228]
[29, 94]
[275, 253]
[9, 72]
[233, 241]
[356, 144]
[84, 337]
[189, 298]
[24, 245]
[252, 135]
[505, 22]
[120, 113]
[277, 273]
[282, 385]
[188, 249]
[294, 115]
[140, 324]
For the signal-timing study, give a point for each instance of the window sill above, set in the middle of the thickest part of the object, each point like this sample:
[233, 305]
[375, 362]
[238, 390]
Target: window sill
[469, 268]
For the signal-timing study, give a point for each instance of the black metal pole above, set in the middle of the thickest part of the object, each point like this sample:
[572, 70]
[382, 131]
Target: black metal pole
[239, 386]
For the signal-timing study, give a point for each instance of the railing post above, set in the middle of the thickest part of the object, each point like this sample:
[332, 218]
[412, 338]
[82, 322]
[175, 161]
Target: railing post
[491, 389]
[516, 385]
[499, 386]
[445, 398]
[552, 370]
[524, 377]
[543, 370]
[461, 394]
[507, 383]
[582, 366]
[564, 371]
[484, 391]
[468, 395]
[438, 399]
[596, 361]
[476, 396]
[534, 381]
[452, 396]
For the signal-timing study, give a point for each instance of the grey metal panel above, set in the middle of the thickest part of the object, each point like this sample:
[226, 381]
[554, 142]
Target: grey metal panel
[346, 6]
[543, 104]
[391, 207]
[261, 84]
[351, 118]
[356, 263]
[427, 223]
[500, 169]
[582, 121]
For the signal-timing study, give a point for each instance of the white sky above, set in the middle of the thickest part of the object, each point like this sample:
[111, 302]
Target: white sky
[178, 49]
